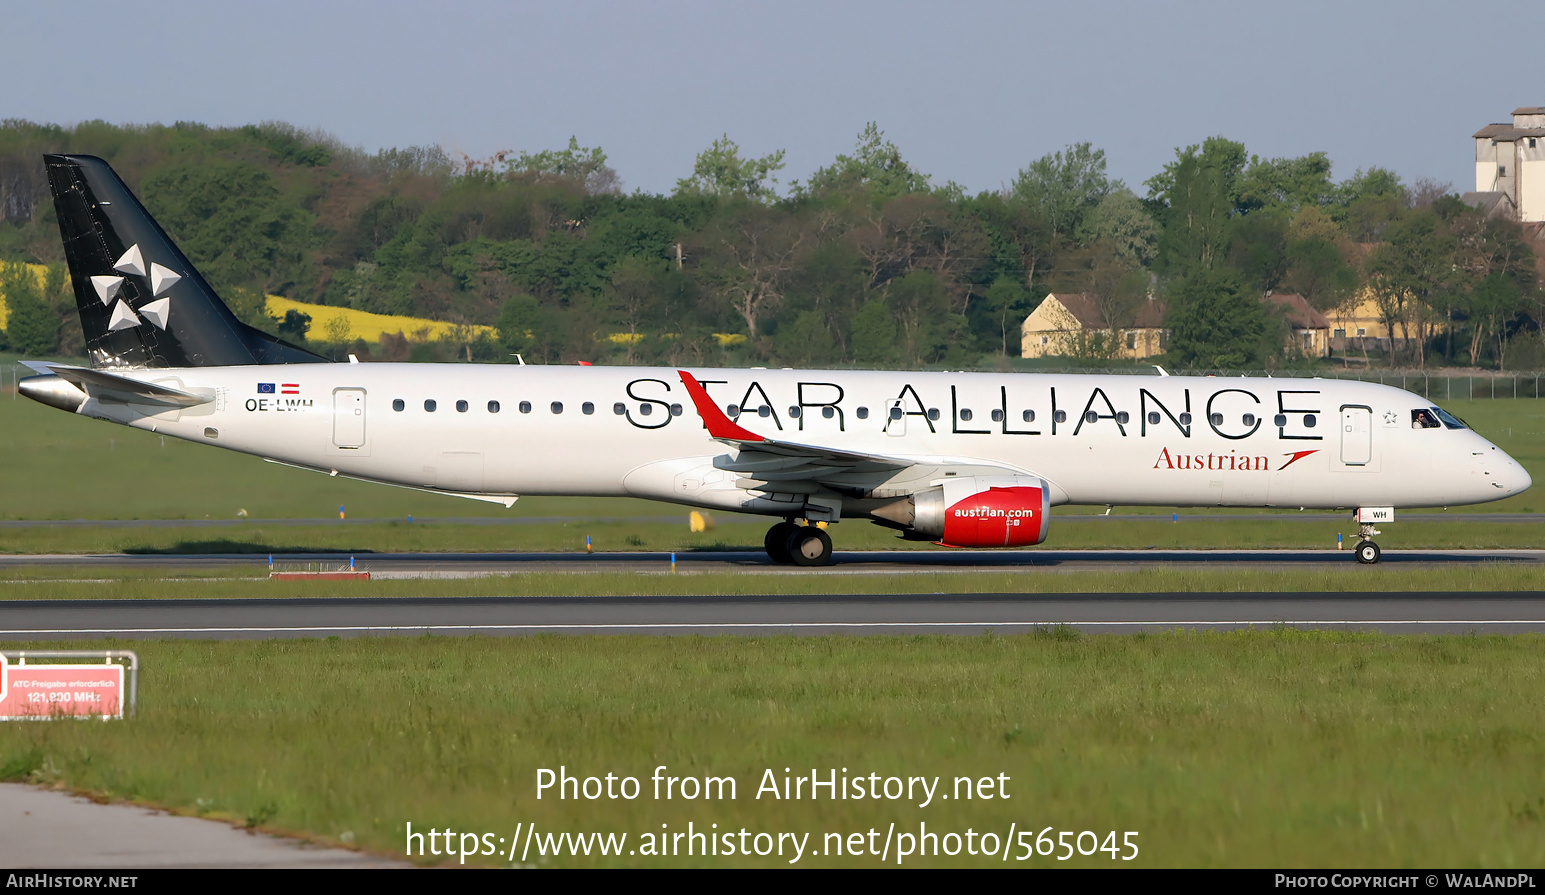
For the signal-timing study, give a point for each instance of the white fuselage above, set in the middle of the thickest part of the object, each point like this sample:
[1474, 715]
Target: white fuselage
[1094, 439]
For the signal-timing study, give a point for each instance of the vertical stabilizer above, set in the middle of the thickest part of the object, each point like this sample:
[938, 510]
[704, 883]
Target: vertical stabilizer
[141, 302]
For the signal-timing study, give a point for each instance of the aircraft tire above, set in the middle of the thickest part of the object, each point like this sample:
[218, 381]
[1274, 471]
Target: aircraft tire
[777, 542]
[1367, 553]
[810, 546]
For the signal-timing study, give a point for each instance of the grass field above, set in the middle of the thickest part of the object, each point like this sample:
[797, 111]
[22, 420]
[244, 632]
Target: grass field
[1265, 748]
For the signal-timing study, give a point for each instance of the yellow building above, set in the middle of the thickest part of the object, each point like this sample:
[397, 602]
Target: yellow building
[1073, 324]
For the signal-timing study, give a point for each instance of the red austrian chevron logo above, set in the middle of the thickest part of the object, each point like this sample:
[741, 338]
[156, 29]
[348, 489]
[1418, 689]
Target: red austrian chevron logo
[1295, 457]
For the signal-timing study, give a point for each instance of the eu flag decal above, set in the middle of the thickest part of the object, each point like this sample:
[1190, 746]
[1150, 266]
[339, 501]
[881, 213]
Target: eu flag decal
[265, 388]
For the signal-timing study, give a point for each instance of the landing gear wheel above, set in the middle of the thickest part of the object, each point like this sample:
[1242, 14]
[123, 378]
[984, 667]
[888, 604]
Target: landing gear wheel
[777, 542]
[810, 546]
[1367, 553]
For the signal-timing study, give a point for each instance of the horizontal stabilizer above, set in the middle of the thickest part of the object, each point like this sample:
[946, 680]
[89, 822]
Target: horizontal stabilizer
[122, 390]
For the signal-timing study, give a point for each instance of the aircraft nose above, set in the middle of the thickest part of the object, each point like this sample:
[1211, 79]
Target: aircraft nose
[1507, 474]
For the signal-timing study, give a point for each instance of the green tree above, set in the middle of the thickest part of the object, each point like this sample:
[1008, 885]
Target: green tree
[1122, 223]
[721, 172]
[874, 333]
[875, 168]
[1007, 303]
[1413, 277]
[584, 166]
[294, 326]
[807, 341]
[1194, 197]
[519, 324]
[1065, 186]
[32, 327]
[1217, 323]
[1317, 270]
[1285, 183]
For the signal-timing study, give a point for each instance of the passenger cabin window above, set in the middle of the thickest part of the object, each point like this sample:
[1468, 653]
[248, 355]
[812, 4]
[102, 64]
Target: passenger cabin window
[1060, 416]
[1185, 419]
[557, 407]
[430, 405]
[828, 412]
[645, 409]
[862, 413]
[1279, 420]
[1091, 417]
[461, 406]
[1217, 419]
[493, 406]
[1153, 417]
[1309, 421]
[620, 408]
[764, 411]
[525, 407]
[1123, 417]
[933, 413]
[965, 415]
[793, 413]
[997, 416]
[399, 405]
[587, 408]
[1422, 418]
[675, 410]
[1028, 416]
[732, 411]
[896, 413]
[1248, 419]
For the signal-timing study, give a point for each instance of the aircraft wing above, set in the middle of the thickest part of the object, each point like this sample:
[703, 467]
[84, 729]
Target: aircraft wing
[783, 464]
[106, 386]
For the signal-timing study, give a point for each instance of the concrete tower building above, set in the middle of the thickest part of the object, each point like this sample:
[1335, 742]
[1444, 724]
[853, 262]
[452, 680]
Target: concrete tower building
[1510, 166]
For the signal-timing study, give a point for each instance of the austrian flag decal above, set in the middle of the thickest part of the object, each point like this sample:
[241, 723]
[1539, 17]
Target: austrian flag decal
[290, 388]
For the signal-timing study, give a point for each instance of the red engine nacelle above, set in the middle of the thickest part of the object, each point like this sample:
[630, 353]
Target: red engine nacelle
[997, 517]
[980, 511]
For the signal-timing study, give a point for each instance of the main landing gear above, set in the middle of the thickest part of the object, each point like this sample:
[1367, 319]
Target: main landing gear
[801, 545]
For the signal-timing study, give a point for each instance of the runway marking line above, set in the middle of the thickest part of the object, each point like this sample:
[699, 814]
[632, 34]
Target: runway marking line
[695, 625]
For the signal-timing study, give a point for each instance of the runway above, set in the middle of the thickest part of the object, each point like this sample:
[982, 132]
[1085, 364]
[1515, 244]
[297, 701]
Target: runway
[454, 565]
[971, 614]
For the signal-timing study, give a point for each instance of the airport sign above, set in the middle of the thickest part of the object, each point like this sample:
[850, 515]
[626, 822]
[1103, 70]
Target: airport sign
[40, 692]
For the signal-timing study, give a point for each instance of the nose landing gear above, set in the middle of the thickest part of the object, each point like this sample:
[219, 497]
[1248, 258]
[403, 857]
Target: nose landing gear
[801, 545]
[1367, 551]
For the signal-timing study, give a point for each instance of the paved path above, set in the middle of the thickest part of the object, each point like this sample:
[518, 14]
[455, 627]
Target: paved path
[1501, 612]
[58, 831]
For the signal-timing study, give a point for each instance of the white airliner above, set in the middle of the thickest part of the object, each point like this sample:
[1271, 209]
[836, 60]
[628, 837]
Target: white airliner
[961, 459]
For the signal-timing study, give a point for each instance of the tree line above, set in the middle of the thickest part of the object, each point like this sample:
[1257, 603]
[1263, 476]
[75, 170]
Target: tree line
[866, 261]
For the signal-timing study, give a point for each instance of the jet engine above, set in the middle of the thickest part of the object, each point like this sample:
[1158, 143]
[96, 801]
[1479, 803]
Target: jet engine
[974, 511]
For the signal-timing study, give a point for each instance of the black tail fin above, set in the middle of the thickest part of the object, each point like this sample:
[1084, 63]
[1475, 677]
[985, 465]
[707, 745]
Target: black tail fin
[141, 302]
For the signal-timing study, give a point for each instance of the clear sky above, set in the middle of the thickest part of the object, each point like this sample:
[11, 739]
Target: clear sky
[970, 91]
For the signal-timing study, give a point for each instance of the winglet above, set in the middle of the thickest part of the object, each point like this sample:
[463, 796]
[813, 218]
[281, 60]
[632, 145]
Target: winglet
[719, 425]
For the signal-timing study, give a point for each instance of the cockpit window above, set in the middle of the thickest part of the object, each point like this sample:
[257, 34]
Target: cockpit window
[1422, 418]
[1449, 420]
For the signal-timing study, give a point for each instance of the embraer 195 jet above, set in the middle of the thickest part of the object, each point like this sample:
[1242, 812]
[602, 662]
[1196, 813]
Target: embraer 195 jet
[961, 459]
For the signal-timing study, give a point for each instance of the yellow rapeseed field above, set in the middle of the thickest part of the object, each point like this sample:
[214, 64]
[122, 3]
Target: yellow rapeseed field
[330, 324]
